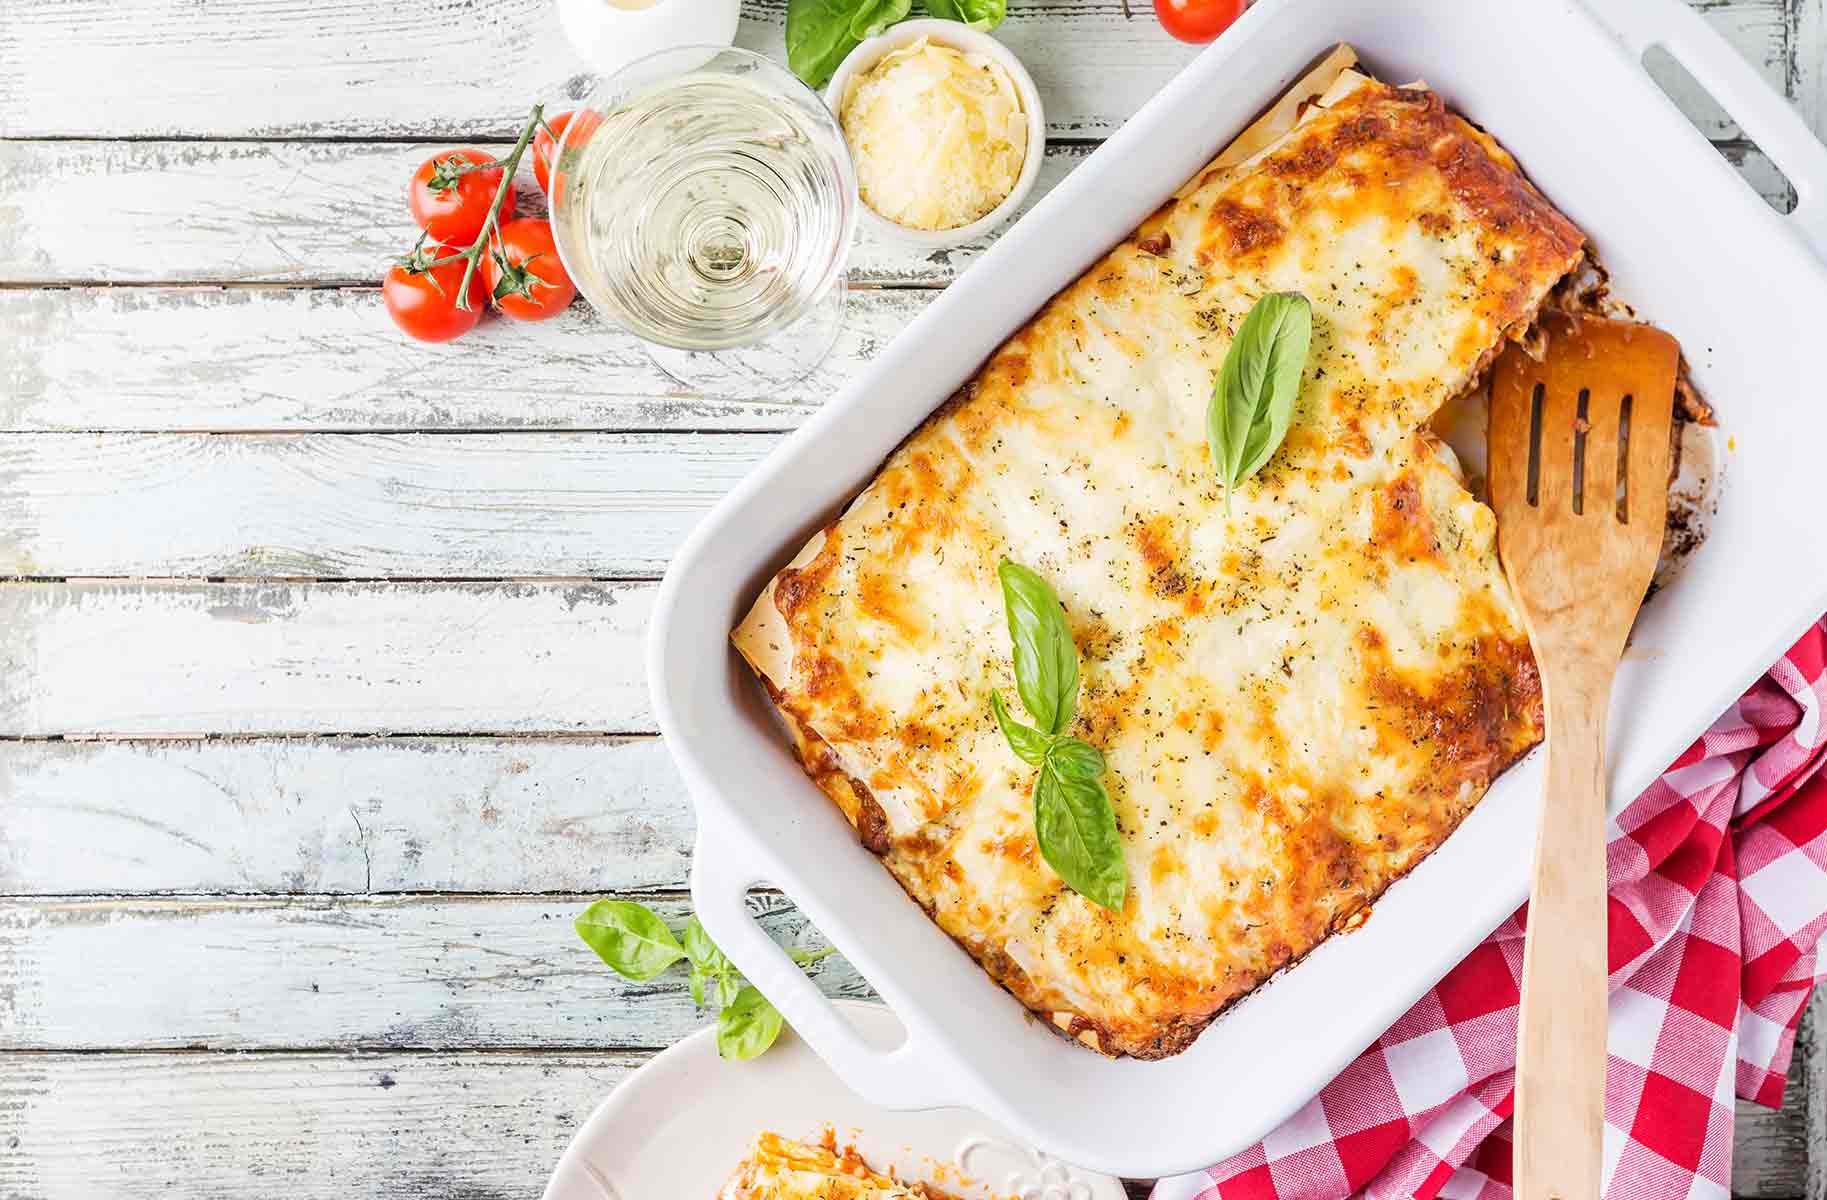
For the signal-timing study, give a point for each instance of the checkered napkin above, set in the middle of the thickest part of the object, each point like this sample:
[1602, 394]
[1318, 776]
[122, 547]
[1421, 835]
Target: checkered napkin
[1718, 900]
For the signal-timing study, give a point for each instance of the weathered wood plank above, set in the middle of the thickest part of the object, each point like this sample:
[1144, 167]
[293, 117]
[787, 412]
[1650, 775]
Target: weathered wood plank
[1807, 82]
[398, 972]
[359, 505]
[288, 358]
[342, 816]
[302, 1126]
[476, 1126]
[184, 659]
[284, 212]
[1811, 1068]
[275, 68]
[1770, 1148]
[1761, 173]
[278, 68]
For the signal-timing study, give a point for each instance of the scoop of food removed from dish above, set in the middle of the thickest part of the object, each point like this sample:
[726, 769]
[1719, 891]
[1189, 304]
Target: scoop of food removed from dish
[779, 1168]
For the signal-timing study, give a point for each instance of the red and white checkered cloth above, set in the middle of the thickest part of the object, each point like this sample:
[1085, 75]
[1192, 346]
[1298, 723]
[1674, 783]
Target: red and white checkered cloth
[1718, 901]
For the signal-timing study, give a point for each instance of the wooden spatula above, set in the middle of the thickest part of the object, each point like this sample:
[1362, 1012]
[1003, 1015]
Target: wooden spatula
[1579, 462]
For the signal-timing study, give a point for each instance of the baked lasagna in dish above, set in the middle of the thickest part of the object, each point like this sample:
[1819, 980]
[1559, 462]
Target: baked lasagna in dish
[1300, 688]
[780, 1169]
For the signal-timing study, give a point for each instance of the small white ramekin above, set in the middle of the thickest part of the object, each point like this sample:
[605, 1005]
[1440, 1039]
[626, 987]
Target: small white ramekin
[963, 38]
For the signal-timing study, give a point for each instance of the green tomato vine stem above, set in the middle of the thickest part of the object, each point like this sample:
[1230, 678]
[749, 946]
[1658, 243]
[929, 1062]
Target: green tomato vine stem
[491, 224]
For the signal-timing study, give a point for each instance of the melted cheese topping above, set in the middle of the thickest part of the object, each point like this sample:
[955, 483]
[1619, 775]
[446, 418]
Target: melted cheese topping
[939, 136]
[780, 1169]
[1298, 698]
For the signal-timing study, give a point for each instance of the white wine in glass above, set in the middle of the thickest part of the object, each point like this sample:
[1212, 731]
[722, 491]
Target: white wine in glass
[704, 199]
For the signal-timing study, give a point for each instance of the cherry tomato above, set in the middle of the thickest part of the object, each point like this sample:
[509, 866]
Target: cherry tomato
[450, 203]
[545, 148]
[422, 299]
[1198, 20]
[525, 275]
[575, 128]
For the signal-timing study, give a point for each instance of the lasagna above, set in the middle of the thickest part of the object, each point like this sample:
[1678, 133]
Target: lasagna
[1300, 689]
[779, 1169]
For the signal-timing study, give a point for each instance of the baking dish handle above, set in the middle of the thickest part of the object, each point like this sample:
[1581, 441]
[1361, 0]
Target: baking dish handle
[1766, 117]
[902, 1078]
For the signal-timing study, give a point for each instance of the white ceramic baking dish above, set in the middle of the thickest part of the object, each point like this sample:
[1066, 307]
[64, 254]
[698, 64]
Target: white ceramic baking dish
[1743, 287]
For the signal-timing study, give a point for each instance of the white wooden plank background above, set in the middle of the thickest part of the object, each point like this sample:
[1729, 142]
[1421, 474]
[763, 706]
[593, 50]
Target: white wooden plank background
[360, 506]
[326, 1126]
[327, 359]
[405, 972]
[335, 816]
[419, 69]
[133, 659]
[83, 208]
[396, 748]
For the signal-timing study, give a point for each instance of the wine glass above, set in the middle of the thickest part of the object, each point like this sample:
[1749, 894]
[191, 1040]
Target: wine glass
[704, 199]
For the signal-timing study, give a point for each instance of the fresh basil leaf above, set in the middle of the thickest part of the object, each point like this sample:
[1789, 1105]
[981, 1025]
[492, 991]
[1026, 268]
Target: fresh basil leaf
[1046, 660]
[978, 14]
[703, 952]
[728, 987]
[1029, 744]
[1073, 759]
[873, 16]
[1077, 832]
[629, 937]
[819, 35]
[747, 1025]
[697, 986]
[807, 958]
[1253, 399]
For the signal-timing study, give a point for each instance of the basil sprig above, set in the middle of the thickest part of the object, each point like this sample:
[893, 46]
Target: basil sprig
[1253, 399]
[1073, 820]
[820, 33]
[747, 1024]
[978, 14]
[638, 945]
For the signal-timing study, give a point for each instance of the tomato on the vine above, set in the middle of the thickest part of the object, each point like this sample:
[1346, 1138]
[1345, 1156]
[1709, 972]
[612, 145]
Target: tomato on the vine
[574, 130]
[545, 148]
[422, 299]
[525, 276]
[451, 194]
[1198, 20]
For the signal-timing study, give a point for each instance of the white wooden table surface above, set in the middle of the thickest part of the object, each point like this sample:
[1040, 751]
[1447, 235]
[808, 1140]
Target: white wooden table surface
[321, 695]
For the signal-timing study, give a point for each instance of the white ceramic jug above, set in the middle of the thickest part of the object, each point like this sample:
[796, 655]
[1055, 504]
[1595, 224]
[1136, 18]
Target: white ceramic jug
[609, 34]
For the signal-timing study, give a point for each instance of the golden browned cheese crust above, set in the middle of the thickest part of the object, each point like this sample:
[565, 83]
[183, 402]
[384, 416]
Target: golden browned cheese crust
[1299, 693]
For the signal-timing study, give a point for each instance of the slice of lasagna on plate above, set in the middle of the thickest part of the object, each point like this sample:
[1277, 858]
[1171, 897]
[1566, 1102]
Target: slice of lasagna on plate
[1301, 688]
[778, 1168]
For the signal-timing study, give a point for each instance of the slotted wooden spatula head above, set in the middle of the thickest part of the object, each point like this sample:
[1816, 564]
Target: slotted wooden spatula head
[1579, 453]
[1579, 462]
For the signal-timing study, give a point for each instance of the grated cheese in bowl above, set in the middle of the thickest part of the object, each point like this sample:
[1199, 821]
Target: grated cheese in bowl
[938, 135]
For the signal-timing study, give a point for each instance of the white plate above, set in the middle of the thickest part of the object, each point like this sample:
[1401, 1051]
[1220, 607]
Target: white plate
[1562, 85]
[678, 1127]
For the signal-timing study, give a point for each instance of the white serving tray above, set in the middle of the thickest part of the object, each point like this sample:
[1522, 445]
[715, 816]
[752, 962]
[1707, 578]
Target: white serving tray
[1744, 288]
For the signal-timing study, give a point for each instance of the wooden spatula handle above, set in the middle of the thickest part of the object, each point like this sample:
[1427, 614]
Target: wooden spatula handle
[1560, 1065]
